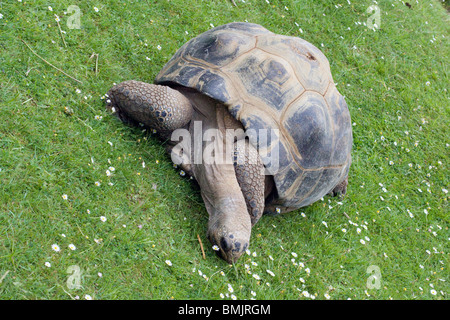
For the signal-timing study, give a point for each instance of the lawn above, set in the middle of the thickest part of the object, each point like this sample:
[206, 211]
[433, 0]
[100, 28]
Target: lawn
[93, 209]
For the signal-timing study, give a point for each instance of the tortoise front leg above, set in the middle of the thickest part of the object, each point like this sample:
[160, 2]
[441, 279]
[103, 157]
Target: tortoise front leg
[250, 176]
[157, 107]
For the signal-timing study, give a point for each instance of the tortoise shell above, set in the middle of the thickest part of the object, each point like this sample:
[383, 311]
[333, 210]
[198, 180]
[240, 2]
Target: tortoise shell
[270, 81]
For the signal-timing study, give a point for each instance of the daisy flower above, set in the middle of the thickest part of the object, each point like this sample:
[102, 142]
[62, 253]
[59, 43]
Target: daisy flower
[103, 218]
[47, 264]
[271, 273]
[65, 197]
[87, 297]
[169, 263]
[72, 246]
[55, 247]
[95, 9]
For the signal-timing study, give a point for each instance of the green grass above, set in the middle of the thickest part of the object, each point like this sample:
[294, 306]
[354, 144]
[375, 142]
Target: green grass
[395, 80]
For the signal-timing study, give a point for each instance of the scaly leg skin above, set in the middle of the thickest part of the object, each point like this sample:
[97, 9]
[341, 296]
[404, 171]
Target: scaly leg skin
[340, 189]
[156, 107]
[250, 176]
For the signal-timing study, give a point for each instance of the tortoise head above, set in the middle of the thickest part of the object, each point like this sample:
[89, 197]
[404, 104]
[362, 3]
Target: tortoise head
[229, 228]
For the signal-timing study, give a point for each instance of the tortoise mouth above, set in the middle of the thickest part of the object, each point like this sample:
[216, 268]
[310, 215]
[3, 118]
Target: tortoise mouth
[227, 246]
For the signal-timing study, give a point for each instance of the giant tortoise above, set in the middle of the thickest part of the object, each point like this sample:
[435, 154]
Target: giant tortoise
[254, 117]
